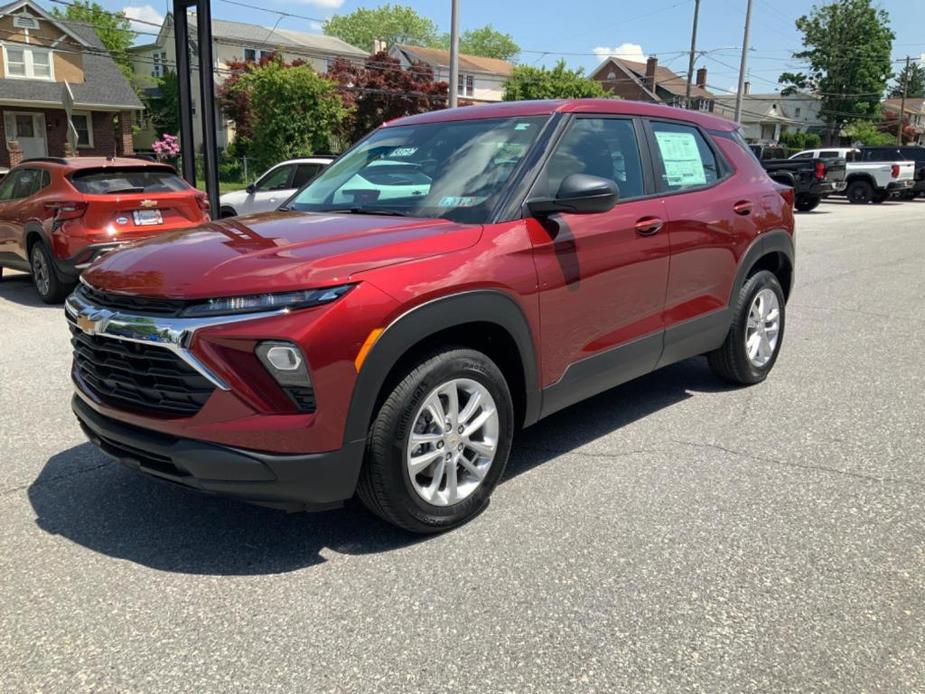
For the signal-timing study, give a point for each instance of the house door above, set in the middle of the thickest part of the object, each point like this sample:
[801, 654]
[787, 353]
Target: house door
[29, 130]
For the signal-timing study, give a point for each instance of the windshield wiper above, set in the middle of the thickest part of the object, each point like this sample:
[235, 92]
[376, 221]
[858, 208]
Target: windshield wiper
[368, 210]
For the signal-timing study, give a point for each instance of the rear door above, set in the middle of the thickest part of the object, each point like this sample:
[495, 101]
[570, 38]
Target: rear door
[16, 192]
[602, 276]
[712, 217]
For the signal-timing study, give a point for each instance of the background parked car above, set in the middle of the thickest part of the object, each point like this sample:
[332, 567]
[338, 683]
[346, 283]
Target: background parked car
[811, 179]
[913, 153]
[57, 215]
[867, 181]
[274, 187]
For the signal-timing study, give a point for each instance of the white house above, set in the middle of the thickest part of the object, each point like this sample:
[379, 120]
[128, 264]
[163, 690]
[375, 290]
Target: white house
[233, 41]
[765, 117]
[480, 79]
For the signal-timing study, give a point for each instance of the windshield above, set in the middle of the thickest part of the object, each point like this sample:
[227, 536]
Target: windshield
[453, 170]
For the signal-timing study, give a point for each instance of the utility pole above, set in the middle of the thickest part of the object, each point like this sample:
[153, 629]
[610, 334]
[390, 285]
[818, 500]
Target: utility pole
[902, 108]
[454, 53]
[690, 64]
[743, 66]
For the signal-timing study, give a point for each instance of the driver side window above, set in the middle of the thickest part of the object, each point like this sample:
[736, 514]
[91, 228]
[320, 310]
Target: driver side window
[277, 179]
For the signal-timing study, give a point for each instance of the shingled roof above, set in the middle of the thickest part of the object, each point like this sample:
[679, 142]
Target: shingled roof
[436, 57]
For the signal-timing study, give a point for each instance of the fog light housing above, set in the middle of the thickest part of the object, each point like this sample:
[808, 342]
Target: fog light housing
[285, 362]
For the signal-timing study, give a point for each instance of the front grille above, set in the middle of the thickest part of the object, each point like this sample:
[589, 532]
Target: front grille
[137, 376]
[144, 305]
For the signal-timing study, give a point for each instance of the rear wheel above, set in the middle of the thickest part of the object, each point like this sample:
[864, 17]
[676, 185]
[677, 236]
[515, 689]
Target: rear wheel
[754, 340]
[226, 212]
[806, 203]
[439, 443]
[51, 290]
[859, 192]
[878, 197]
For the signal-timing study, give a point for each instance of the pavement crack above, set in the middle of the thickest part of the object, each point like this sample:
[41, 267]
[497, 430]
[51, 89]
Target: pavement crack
[787, 463]
[50, 480]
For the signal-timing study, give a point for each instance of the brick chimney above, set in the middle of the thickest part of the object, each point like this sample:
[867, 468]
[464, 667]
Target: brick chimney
[379, 45]
[651, 64]
[702, 78]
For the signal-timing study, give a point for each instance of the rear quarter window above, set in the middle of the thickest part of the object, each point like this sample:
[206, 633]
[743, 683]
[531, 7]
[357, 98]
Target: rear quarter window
[109, 181]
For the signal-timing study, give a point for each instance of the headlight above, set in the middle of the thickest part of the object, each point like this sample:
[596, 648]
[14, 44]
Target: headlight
[265, 302]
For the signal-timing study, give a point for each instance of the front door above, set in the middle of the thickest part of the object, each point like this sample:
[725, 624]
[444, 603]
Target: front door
[29, 130]
[602, 276]
[271, 190]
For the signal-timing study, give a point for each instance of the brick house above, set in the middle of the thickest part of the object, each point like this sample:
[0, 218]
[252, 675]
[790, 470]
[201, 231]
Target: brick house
[49, 67]
[651, 82]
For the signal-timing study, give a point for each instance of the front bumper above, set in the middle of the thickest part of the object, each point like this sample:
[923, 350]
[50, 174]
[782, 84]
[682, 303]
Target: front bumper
[309, 482]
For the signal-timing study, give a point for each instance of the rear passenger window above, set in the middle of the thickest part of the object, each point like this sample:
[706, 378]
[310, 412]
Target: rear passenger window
[686, 158]
[803, 155]
[828, 154]
[604, 147]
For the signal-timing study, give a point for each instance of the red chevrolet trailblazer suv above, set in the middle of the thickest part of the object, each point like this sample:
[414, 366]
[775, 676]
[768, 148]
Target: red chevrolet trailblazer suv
[57, 215]
[454, 276]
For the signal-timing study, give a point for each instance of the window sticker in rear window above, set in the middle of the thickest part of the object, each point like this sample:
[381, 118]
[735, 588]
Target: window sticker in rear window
[683, 164]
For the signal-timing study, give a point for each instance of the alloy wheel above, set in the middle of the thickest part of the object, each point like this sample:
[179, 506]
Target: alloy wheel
[40, 271]
[763, 328]
[453, 442]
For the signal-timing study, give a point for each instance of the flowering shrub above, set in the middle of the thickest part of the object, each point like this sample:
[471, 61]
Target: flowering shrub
[168, 147]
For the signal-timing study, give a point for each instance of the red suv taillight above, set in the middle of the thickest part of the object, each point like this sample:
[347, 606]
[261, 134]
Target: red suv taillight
[820, 170]
[894, 171]
[67, 209]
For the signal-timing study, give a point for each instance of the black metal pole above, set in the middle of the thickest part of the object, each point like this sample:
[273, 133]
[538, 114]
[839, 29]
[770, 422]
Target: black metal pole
[181, 37]
[207, 101]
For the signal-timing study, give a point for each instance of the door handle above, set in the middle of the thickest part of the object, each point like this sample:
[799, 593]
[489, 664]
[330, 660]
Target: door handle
[743, 207]
[648, 226]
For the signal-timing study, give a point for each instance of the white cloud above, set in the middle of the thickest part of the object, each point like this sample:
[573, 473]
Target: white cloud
[145, 13]
[628, 51]
[315, 26]
[323, 4]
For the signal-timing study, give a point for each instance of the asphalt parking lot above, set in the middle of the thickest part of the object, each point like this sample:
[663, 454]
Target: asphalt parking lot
[670, 535]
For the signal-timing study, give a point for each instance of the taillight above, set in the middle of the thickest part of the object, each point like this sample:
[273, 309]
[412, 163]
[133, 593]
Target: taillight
[894, 171]
[66, 209]
[820, 170]
[203, 201]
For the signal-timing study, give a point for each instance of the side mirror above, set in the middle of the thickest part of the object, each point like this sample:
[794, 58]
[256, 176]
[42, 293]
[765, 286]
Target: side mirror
[579, 194]
[251, 188]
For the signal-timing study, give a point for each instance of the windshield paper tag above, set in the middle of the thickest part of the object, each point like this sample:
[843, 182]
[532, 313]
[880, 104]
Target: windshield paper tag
[456, 201]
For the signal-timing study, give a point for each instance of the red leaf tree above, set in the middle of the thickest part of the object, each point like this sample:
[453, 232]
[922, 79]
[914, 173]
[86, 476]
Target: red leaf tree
[381, 90]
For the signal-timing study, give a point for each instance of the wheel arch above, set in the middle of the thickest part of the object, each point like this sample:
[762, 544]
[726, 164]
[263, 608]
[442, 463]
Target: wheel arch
[861, 176]
[488, 320]
[772, 251]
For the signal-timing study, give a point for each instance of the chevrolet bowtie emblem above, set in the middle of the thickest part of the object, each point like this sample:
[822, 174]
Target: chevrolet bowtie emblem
[148, 203]
[93, 323]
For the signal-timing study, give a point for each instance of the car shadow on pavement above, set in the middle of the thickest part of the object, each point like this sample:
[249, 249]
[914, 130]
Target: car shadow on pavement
[84, 496]
[19, 289]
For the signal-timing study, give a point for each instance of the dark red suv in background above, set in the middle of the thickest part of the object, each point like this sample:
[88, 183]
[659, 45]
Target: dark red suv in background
[453, 277]
[57, 215]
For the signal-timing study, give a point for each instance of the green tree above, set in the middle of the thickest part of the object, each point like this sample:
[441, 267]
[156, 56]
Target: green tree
[113, 28]
[486, 41]
[298, 110]
[390, 23]
[913, 77]
[527, 82]
[847, 44]
[165, 107]
[867, 133]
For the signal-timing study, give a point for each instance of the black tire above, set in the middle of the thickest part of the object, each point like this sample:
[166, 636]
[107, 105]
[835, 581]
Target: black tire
[50, 289]
[226, 212]
[859, 192]
[878, 198]
[730, 361]
[385, 485]
[807, 203]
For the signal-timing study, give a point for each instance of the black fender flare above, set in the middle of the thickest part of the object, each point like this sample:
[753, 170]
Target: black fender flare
[776, 241]
[427, 319]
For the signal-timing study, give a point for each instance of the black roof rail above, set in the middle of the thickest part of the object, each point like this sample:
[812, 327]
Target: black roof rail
[46, 160]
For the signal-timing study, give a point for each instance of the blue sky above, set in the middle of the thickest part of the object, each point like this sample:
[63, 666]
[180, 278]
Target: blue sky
[582, 30]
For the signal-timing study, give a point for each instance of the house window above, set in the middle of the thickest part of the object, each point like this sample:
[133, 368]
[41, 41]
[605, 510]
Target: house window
[255, 55]
[25, 21]
[466, 85]
[703, 105]
[28, 62]
[796, 112]
[83, 124]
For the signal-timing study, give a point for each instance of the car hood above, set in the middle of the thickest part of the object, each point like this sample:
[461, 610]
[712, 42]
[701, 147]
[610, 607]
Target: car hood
[272, 252]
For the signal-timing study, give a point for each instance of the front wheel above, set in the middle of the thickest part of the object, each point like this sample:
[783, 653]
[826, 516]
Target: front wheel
[753, 343]
[807, 203]
[439, 442]
[51, 290]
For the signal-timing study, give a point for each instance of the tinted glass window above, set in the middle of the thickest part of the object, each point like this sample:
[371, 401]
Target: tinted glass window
[453, 170]
[28, 182]
[828, 154]
[687, 160]
[277, 179]
[127, 180]
[803, 155]
[7, 185]
[304, 173]
[604, 147]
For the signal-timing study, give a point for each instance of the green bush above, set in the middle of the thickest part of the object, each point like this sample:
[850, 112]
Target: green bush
[800, 140]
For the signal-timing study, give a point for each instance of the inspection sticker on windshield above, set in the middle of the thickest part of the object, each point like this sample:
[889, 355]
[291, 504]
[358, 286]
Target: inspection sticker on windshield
[457, 201]
[400, 152]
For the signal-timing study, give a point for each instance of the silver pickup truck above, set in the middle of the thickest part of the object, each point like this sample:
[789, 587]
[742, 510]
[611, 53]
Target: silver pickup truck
[868, 181]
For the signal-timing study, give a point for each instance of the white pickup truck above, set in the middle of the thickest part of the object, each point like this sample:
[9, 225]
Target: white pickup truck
[868, 181]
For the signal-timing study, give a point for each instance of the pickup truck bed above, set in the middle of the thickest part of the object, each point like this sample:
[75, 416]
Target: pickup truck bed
[811, 179]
